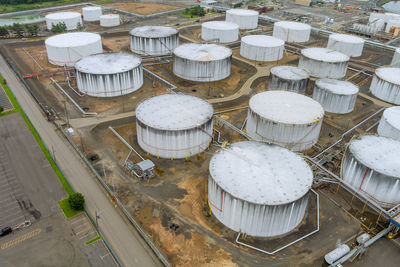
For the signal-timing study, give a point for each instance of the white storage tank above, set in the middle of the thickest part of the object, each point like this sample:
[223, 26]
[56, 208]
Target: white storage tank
[67, 48]
[324, 62]
[288, 78]
[109, 20]
[347, 44]
[71, 19]
[262, 48]
[224, 32]
[154, 40]
[251, 189]
[291, 31]
[174, 126]
[337, 253]
[202, 62]
[285, 118]
[109, 74]
[372, 165]
[396, 58]
[385, 84]
[389, 125]
[335, 96]
[246, 19]
[91, 13]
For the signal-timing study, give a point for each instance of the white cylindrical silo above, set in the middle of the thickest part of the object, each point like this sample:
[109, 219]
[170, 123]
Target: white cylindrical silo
[291, 31]
[246, 19]
[91, 13]
[385, 84]
[109, 74]
[251, 190]
[109, 20]
[335, 96]
[154, 40]
[324, 62]
[71, 19]
[174, 126]
[285, 118]
[396, 58]
[202, 62]
[67, 48]
[389, 125]
[347, 44]
[372, 165]
[288, 78]
[221, 31]
[262, 48]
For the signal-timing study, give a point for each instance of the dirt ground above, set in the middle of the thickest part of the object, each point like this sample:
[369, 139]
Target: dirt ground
[142, 8]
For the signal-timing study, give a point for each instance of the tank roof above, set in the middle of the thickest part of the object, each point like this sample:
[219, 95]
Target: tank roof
[63, 15]
[324, 54]
[346, 38]
[153, 31]
[91, 8]
[220, 25]
[286, 107]
[109, 16]
[293, 25]
[202, 52]
[290, 72]
[392, 116]
[242, 12]
[174, 112]
[261, 173]
[339, 87]
[72, 39]
[389, 74]
[262, 41]
[107, 63]
[378, 153]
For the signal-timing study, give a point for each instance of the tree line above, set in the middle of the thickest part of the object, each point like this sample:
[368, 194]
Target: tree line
[16, 2]
[19, 30]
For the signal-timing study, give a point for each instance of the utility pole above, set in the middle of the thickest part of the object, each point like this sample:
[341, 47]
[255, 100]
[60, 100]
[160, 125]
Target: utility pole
[66, 113]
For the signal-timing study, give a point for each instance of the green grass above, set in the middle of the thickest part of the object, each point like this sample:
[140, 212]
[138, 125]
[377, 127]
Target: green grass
[19, 7]
[93, 240]
[69, 212]
[18, 108]
[188, 16]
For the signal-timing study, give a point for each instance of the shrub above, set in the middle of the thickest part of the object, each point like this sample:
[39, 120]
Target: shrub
[76, 200]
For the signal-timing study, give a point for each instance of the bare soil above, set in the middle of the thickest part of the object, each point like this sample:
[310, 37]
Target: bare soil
[142, 8]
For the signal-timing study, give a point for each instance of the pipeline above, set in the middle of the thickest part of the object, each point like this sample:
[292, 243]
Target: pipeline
[126, 143]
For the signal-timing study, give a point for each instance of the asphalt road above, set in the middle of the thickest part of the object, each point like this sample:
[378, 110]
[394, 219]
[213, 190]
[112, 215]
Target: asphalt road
[125, 241]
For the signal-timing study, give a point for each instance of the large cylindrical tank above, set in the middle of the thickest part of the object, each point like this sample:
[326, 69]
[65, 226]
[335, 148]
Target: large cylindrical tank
[67, 48]
[154, 40]
[372, 165]
[285, 118]
[262, 48]
[251, 189]
[246, 19]
[389, 125]
[347, 44]
[91, 13]
[335, 96]
[224, 32]
[396, 58]
[324, 62]
[71, 19]
[288, 78]
[291, 31]
[337, 253]
[202, 62]
[109, 20]
[174, 126]
[385, 84]
[109, 74]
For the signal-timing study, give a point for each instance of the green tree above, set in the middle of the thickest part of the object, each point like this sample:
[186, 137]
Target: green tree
[17, 29]
[4, 31]
[33, 30]
[76, 200]
[79, 26]
[58, 28]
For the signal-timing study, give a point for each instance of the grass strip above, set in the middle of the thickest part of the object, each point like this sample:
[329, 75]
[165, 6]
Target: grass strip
[93, 240]
[18, 108]
[69, 212]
